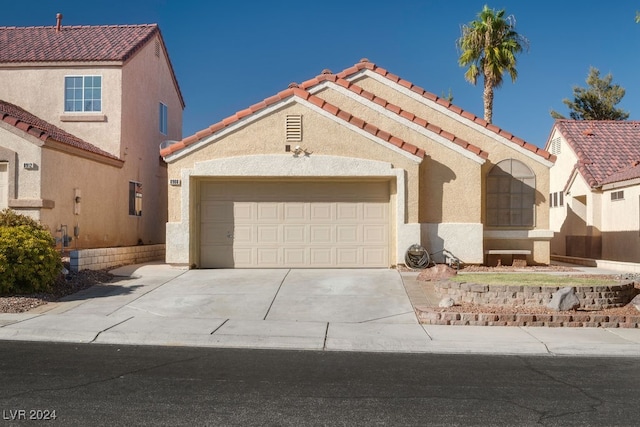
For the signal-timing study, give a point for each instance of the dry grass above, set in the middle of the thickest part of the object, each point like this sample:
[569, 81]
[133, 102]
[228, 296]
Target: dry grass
[534, 279]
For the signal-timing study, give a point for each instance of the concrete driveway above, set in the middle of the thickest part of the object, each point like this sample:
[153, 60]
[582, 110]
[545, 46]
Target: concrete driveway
[345, 296]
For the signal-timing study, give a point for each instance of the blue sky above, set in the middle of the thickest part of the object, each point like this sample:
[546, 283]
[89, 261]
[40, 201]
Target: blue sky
[230, 55]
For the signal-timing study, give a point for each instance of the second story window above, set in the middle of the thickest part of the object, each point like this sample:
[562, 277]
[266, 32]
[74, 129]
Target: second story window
[163, 119]
[83, 94]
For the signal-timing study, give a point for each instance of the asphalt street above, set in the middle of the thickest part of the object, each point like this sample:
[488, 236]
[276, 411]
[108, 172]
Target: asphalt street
[89, 384]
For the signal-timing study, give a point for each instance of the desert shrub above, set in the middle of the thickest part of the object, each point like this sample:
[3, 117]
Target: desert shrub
[10, 218]
[28, 259]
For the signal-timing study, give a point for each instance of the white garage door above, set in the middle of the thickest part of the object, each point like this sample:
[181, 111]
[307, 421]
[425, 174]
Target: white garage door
[294, 224]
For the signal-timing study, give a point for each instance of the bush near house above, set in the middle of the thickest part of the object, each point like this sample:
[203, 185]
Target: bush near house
[28, 259]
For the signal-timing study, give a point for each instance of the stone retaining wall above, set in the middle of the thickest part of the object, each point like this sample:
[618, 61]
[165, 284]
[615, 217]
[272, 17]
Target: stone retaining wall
[591, 297]
[98, 259]
[577, 320]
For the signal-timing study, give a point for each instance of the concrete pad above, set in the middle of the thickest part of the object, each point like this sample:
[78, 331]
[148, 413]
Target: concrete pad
[161, 331]
[151, 269]
[237, 294]
[632, 335]
[483, 340]
[584, 341]
[343, 296]
[10, 318]
[270, 334]
[377, 337]
[238, 306]
[58, 327]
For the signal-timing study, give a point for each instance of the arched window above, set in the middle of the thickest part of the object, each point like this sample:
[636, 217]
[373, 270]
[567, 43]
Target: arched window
[511, 189]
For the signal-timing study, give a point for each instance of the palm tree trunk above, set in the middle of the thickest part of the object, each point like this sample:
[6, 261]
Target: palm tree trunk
[487, 96]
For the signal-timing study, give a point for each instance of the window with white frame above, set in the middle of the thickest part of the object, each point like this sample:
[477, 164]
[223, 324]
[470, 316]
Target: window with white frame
[617, 195]
[556, 199]
[163, 118]
[83, 93]
[135, 198]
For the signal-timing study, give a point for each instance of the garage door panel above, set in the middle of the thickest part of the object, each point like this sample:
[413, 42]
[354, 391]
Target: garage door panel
[217, 211]
[320, 234]
[321, 212]
[244, 211]
[295, 212]
[295, 257]
[294, 224]
[373, 257]
[374, 234]
[347, 212]
[268, 256]
[217, 234]
[294, 234]
[268, 234]
[320, 256]
[347, 257]
[268, 212]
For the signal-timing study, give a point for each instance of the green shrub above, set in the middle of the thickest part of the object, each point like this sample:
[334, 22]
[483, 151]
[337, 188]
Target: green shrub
[9, 218]
[28, 259]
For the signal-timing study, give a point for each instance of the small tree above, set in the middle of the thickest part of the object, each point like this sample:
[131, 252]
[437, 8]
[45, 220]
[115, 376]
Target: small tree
[597, 101]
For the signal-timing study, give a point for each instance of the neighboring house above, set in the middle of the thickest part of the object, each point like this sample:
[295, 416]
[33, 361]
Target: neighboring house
[83, 110]
[349, 170]
[595, 189]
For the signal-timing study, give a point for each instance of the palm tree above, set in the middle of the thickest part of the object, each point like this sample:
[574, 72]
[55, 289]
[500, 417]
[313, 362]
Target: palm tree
[489, 46]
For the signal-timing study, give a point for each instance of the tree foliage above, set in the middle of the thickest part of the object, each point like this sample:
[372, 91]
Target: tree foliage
[597, 101]
[489, 46]
[28, 259]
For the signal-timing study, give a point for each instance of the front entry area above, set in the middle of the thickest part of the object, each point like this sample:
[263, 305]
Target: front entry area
[294, 224]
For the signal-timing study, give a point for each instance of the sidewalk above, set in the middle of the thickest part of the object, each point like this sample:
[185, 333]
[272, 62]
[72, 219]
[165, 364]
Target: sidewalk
[107, 314]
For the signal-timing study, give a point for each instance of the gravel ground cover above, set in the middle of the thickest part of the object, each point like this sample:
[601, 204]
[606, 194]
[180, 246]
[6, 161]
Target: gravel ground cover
[64, 286]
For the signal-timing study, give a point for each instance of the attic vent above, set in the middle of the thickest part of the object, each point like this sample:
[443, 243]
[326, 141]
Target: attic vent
[294, 127]
[157, 48]
[555, 146]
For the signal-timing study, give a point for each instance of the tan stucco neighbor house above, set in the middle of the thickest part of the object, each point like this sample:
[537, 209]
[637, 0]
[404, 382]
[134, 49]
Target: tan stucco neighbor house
[83, 110]
[349, 170]
[595, 189]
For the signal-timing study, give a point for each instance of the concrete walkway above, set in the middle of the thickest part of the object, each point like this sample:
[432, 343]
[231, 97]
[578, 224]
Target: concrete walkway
[332, 310]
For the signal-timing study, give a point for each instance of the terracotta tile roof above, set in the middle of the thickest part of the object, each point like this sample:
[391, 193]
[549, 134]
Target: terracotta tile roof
[73, 43]
[78, 44]
[326, 76]
[293, 90]
[606, 150]
[27, 122]
[365, 64]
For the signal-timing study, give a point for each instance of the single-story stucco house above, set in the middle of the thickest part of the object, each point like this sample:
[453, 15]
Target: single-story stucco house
[349, 170]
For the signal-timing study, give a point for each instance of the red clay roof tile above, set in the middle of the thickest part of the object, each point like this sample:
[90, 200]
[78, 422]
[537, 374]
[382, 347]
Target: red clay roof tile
[27, 122]
[303, 94]
[73, 43]
[606, 151]
[365, 64]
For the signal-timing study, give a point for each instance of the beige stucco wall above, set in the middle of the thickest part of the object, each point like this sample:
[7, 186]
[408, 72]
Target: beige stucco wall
[497, 149]
[621, 224]
[40, 91]
[127, 127]
[147, 81]
[322, 136]
[446, 174]
[335, 151]
[16, 151]
[96, 216]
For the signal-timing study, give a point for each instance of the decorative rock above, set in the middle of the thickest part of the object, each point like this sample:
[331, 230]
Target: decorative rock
[446, 302]
[564, 299]
[636, 302]
[437, 272]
